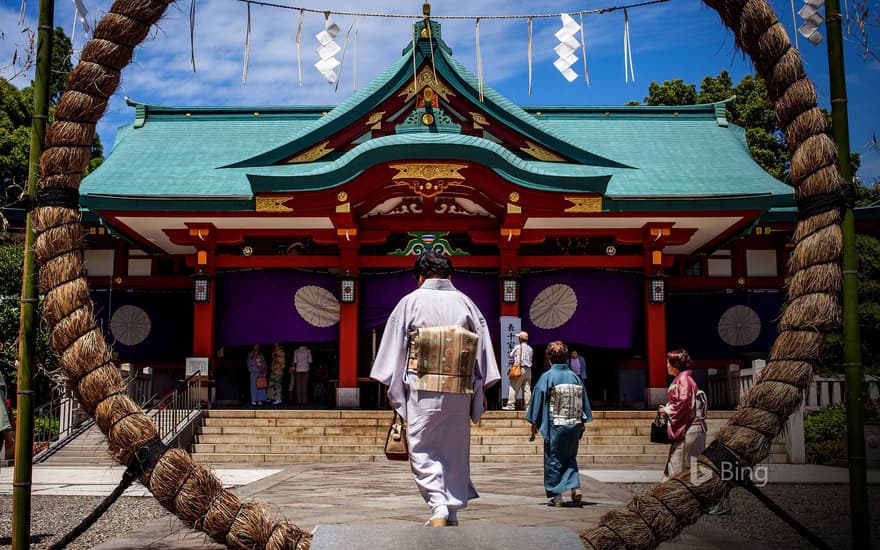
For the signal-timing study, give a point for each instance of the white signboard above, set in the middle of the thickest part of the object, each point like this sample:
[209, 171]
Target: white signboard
[197, 364]
[510, 327]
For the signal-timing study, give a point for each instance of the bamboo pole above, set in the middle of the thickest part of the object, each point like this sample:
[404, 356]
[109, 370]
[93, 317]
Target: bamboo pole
[852, 351]
[24, 429]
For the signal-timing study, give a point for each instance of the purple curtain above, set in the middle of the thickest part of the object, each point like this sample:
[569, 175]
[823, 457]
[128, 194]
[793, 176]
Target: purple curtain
[262, 307]
[695, 321]
[592, 307]
[381, 292]
[151, 325]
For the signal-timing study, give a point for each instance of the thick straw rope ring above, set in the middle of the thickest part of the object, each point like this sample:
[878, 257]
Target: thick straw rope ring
[194, 493]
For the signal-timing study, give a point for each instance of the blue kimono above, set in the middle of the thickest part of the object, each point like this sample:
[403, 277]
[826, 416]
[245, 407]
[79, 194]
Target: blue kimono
[559, 407]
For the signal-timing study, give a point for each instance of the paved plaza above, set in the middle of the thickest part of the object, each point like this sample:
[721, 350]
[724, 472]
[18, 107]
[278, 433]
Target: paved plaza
[366, 495]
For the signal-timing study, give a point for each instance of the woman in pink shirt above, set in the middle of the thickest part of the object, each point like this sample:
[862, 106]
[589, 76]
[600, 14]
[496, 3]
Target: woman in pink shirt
[686, 428]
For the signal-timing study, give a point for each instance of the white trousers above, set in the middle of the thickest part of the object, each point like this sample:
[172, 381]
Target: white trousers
[682, 452]
[524, 382]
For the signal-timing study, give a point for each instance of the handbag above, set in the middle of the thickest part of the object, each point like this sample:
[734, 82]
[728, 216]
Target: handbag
[261, 383]
[658, 430]
[516, 369]
[396, 447]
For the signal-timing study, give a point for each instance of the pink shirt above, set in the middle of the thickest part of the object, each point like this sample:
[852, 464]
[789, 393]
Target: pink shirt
[680, 396]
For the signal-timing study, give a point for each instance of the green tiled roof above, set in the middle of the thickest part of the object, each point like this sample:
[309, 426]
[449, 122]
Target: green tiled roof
[672, 157]
[678, 151]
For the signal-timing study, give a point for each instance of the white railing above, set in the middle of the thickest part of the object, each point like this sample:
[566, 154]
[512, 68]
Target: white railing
[727, 387]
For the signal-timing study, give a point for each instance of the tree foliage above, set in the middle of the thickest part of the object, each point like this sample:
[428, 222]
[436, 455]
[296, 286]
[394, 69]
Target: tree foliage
[868, 252]
[16, 110]
[11, 262]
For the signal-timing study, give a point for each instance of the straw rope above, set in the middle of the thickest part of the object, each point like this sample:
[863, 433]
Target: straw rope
[194, 493]
[812, 309]
[189, 490]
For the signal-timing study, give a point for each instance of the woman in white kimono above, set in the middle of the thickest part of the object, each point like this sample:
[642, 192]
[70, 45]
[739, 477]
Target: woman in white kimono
[438, 431]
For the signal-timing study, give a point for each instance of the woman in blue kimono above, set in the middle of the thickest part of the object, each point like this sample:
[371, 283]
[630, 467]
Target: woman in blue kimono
[559, 409]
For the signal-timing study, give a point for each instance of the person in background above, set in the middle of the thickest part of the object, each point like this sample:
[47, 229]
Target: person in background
[437, 403]
[276, 374]
[686, 426]
[256, 364]
[302, 361]
[577, 365]
[7, 433]
[559, 409]
[522, 354]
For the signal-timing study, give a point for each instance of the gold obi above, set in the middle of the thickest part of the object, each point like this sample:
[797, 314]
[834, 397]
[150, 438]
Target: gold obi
[443, 358]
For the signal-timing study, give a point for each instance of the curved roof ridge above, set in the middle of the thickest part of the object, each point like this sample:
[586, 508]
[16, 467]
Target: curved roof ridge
[583, 178]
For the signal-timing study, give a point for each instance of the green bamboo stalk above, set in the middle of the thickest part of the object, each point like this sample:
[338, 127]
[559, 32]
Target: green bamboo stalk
[852, 351]
[24, 430]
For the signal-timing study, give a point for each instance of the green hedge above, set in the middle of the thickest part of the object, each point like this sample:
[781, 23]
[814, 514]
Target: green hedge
[824, 432]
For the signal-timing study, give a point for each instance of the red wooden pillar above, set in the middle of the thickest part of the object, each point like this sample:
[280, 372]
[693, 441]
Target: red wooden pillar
[348, 344]
[508, 265]
[655, 315]
[203, 238]
[655, 349]
[347, 394]
[204, 312]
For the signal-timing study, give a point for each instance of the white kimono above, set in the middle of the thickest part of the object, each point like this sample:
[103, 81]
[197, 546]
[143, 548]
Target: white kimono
[438, 431]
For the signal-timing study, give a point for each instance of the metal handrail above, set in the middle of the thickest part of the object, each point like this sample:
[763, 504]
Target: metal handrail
[177, 410]
[60, 420]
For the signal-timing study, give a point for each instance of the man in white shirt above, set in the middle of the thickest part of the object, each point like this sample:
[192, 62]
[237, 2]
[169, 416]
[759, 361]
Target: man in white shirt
[302, 359]
[522, 354]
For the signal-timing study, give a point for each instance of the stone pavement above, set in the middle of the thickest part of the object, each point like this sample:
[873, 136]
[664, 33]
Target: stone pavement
[384, 494]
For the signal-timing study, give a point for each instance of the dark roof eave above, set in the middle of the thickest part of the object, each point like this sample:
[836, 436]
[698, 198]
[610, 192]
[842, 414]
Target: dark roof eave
[174, 204]
[738, 203]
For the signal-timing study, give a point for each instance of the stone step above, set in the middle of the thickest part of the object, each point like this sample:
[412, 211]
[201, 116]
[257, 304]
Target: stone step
[605, 461]
[285, 436]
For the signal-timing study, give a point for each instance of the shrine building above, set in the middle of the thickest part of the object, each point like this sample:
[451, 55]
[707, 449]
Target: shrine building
[623, 231]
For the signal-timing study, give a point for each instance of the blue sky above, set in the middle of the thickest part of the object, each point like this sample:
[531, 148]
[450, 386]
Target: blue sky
[679, 39]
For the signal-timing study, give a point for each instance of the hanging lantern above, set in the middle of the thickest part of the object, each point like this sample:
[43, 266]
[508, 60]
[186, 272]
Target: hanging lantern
[202, 288]
[656, 290]
[347, 289]
[509, 290]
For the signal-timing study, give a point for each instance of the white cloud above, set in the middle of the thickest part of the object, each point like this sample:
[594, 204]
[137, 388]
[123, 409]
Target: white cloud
[669, 41]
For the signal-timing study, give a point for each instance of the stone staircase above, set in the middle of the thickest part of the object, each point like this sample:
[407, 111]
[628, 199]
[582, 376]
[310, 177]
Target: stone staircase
[291, 436]
[88, 448]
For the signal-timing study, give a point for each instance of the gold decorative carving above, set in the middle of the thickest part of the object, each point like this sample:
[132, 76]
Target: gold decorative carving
[540, 153]
[479, 120]
[426, 78]
[342, 196]
[584, 204]
[513, 197]
[375, 120]
[312, 154]
[513, 209]
[344, 208]
[427, 119]
[273, 203]
[428, 180]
